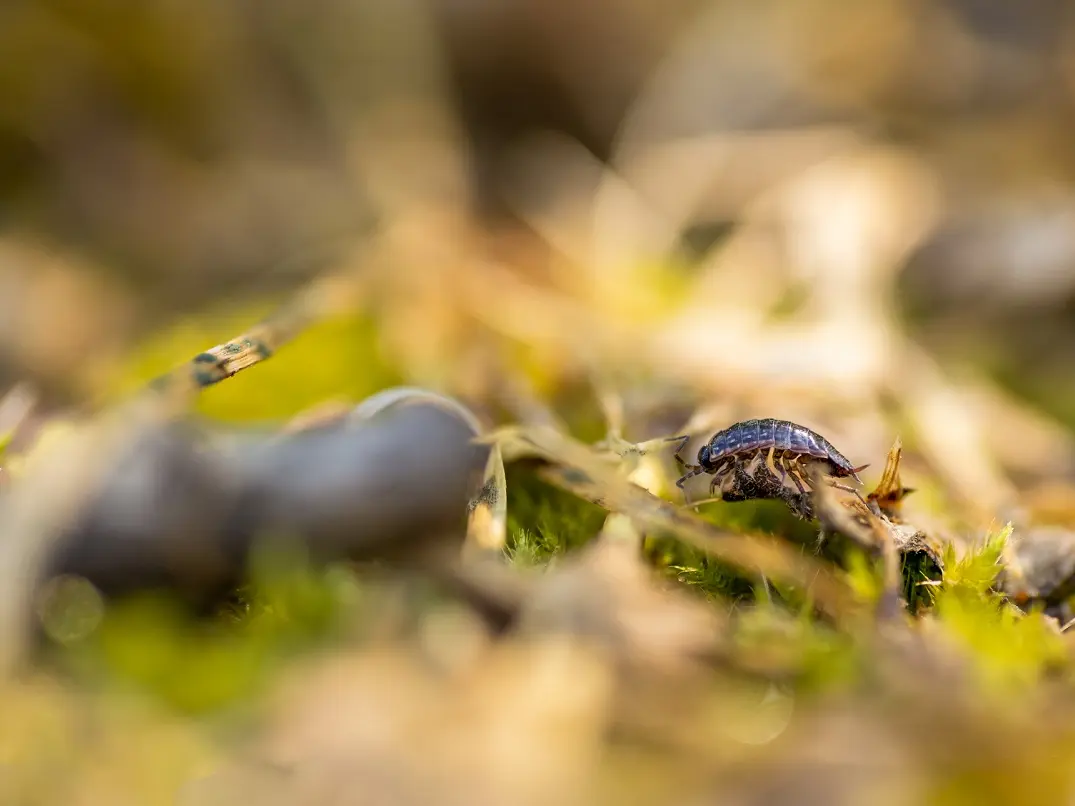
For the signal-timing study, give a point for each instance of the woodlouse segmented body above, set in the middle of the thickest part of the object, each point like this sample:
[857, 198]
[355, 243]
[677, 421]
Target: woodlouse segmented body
[785, 447]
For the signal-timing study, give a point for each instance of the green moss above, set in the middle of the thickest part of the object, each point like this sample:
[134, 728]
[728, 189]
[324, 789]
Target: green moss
[975, 572]
[712, 577]
[544, 521]
[707, 575]
[1008, 648]
[919, 577]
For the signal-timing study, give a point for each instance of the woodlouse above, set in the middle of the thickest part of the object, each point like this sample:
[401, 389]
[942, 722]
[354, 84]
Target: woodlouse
[785, 447]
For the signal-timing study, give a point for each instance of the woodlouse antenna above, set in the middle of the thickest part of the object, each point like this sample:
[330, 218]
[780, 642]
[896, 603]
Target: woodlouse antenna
[682, 444]
[856, 470]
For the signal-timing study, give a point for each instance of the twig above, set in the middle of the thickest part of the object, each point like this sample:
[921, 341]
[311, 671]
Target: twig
[322, 298]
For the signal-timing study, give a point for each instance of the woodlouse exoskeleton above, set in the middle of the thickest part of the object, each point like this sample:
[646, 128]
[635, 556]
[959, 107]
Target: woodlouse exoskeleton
[783, 446]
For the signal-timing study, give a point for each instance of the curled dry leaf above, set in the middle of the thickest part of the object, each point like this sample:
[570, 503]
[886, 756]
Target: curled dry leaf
[890, 492]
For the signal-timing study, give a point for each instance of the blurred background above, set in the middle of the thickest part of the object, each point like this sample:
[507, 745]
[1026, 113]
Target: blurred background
[777, 195]
[857, 216]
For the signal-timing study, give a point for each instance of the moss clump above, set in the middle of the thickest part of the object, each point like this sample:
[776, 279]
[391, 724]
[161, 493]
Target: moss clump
[544, 521]
[1009, 648]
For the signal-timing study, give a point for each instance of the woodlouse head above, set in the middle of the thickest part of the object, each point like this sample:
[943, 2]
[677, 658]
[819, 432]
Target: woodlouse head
[703, 458]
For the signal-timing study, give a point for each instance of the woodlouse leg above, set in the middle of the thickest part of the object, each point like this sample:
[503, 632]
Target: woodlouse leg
[840, 486]
[795, 477]
[682, 444]
[787, 465]
[800, 479]
[796, 502]
[695, 471]
[804, 478]
[719, 478]
[782, 462]
[770, 463]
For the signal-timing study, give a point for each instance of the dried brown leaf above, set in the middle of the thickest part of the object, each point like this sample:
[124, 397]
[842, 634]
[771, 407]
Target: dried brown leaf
[890, 492]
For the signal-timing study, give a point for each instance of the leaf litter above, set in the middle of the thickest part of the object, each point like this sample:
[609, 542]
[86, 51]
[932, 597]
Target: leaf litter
[904, 646]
